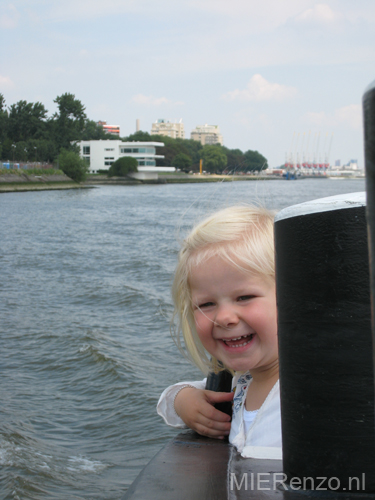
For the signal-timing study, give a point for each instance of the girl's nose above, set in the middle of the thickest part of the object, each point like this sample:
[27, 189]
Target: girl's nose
[226, 316]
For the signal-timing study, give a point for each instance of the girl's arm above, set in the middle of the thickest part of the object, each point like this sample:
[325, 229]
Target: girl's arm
[165, 406]
[189, 404]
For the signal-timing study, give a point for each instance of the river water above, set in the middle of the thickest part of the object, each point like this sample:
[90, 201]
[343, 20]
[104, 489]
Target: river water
[84, 334]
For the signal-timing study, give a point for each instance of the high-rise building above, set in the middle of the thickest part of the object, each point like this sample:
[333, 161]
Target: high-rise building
[110, 129]
[164, 127]
[207, 134]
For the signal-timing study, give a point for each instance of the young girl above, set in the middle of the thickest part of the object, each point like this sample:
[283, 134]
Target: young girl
[225, 305]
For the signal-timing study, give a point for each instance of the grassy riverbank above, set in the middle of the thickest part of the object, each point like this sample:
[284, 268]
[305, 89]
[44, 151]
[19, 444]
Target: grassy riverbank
[34, 180]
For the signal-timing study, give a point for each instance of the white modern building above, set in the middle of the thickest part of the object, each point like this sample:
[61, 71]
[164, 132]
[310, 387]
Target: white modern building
[207, 134]
[163, 127]
[101, 154]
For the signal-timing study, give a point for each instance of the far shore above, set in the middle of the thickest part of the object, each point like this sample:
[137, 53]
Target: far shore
[177, 178]
[20, 182]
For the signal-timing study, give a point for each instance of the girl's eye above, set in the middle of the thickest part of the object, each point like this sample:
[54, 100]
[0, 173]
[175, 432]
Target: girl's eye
[245, 297]
[206, 304]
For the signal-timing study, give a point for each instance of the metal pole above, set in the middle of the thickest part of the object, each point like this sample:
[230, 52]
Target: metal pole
[369, 137]
[325, 342]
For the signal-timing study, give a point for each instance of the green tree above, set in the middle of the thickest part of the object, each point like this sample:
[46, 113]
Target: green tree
[171, 148]
[235, 159]
[94, 132]
[41, 150]
[7, 149]
[3, 121]
[20, 151]
[214, 158]
[139, 136]
[123, 166]
[182, 161]
[255, 161]
[72, 165]
[26, 120]
[191, 148]
[69, 122]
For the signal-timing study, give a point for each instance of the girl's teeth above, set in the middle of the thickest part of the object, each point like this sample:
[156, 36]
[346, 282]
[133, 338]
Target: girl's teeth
[247, 337]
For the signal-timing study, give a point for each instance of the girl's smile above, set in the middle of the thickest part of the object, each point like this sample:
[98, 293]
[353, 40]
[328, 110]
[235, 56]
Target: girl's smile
[235, 315]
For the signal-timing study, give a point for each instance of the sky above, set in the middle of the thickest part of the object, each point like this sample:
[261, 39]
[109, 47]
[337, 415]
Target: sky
[276, 76]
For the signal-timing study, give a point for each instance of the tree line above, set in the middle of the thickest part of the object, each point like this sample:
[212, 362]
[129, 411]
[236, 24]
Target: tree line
[186, 154]
[27, 133]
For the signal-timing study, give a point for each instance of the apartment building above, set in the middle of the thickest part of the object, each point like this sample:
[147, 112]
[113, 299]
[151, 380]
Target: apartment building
[207, 134]
[175, 130]
[110, 129]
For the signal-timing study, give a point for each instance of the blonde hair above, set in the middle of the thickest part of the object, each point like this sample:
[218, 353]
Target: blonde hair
[240, 235]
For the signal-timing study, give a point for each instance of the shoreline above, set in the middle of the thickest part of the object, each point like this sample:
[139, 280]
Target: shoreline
[31, 186]
[172, 179]
[11, 183]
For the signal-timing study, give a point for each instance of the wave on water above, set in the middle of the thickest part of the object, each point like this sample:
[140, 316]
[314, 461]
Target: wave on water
[25, 470]
[83, 464]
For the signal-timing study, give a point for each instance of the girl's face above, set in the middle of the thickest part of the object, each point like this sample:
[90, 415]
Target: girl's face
[235, 315]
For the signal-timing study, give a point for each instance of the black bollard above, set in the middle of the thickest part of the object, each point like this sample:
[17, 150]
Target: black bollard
[325, 341]
[369, 133]
[221, 382]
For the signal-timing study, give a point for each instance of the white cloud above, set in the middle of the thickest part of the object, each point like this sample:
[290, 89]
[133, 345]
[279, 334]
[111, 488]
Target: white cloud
[8, 16]
[259, 89]
[6, 82]
[319, 13]
[152, 101]
[349, 116]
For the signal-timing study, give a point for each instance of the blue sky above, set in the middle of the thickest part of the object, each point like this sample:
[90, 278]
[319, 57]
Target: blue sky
[265, 71]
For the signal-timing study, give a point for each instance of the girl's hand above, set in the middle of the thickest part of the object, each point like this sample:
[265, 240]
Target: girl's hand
[196, 408]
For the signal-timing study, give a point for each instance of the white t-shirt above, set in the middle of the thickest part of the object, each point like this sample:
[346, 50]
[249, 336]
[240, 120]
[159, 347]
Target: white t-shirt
[248, 418]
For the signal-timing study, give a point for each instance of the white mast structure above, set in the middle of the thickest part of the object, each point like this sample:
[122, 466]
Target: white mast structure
[305, 160]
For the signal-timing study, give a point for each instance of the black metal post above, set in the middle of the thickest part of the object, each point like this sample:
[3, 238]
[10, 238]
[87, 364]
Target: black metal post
[369, 136]
[325, 341]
